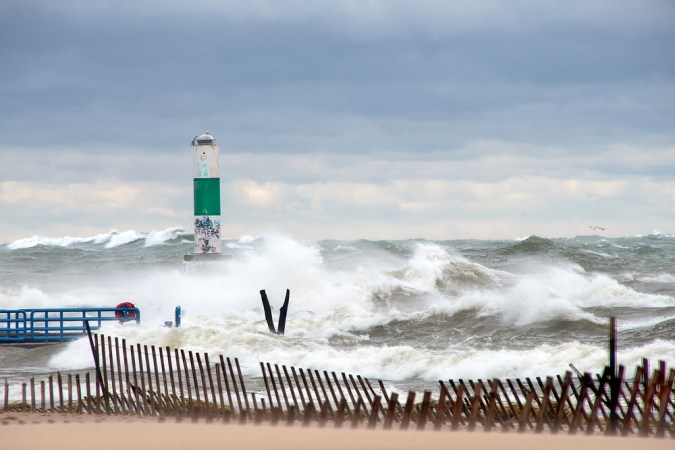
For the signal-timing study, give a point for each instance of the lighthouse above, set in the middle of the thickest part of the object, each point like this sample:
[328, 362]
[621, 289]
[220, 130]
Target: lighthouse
[206, 175]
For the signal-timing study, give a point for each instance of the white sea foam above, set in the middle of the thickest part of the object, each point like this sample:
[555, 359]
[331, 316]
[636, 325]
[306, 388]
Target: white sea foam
[429, 282]
[113, 239]
[658, 278]
[32, 297]
[625, 325]
[338, 297]
[34, 241]
[253, 345]
[163, 236]
[660, 233]
[123, 238]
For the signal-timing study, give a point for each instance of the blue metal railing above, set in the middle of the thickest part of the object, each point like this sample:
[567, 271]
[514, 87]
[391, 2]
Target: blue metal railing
[57, 324]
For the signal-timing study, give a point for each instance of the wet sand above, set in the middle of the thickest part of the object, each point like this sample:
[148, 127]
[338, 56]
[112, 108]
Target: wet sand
[28, 431]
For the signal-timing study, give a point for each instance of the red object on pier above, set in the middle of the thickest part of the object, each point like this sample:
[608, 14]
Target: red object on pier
[125, 314]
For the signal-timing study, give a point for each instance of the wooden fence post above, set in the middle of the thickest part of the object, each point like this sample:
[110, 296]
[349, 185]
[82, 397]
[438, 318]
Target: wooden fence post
[544, 405]
[525, 413]
[6, 406]
[391, 410]
[407, 411]
[665, 400]
[424, 410]
[32, 394]
[243, 386]
[492, 406]
[440, 409]
[475, 407]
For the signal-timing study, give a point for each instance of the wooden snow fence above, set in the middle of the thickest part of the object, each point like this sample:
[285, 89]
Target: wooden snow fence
[146, 380]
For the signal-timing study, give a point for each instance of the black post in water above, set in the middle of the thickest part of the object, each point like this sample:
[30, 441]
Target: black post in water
[282, 314]
[101, 382]
[268, 311]
[614, 382]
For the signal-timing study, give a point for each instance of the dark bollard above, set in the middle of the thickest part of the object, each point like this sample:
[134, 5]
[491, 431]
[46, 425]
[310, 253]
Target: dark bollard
[268, 311]
[177, 316]
[282, 314]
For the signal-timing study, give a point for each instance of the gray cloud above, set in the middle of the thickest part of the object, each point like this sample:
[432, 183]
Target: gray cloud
[350, 95]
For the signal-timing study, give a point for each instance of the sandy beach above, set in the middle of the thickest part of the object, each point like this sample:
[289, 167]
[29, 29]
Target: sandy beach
[19, 431]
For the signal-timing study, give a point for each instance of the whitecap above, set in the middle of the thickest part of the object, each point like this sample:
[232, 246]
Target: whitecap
[161, 237]
[124, 238]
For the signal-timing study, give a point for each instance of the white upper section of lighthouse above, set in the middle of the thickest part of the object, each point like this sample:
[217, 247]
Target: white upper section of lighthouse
[206, 157]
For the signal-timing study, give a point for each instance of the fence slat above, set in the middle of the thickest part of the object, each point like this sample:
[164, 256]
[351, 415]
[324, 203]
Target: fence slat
[645, 427]
[119, 377]
[323, 390]
[290, 388]
[475, 406]
[560, 412]
[133, 405]
[167, 398]
[372, 420]
[211, 385]
[579, 411]
[297, 383]
[79, 393]
[202, 377]
[111, 362]
[666, 390]
[194, 377]
[6, 396]
[407, 411]
[150, 393]
[543, 409]
[220, 390]
[282, 387]
[267, 385]
[32, 394]
[179, 376]
[141, 400]
[59, 380]
[43, 400]
[391, 410]
[236, 390]
[243, 386]
[525, 413]
[491, 407]
[274, 386]
[597, 403]
[424, 410]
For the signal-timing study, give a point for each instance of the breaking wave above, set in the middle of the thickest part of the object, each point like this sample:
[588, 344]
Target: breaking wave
[386, 309]
[108, 240]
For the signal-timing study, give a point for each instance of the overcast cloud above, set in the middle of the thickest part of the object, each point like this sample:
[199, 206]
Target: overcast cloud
[350, 119]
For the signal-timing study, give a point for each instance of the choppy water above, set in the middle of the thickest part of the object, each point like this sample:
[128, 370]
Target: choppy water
[410, 311]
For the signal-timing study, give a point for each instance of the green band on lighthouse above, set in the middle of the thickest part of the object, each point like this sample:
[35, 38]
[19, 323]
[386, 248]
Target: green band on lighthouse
[207, 196]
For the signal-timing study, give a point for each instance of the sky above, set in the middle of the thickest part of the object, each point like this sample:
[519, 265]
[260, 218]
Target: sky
[374, 119]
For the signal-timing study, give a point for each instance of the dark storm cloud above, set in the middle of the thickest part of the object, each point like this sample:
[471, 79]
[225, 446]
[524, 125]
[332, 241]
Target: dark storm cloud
[137, 76]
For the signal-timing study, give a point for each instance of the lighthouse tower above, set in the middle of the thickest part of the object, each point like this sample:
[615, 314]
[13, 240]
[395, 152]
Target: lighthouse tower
[206, 174]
